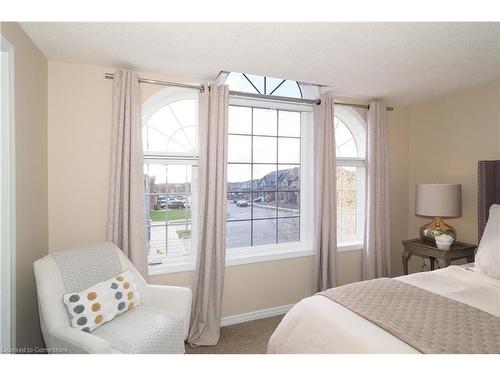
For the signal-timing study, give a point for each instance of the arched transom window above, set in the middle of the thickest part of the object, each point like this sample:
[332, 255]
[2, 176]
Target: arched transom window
[263, 85]
[172, 128]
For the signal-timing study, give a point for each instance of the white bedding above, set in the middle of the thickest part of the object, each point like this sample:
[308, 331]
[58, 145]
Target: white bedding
[318, 325]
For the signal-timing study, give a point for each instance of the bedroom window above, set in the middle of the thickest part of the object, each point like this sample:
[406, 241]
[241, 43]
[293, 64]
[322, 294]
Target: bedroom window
[170, 168]
[267, 197]
[350, 139]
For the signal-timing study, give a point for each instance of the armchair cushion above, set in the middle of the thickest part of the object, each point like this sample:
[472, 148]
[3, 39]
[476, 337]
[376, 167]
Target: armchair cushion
[144, 330]
[102, 302]
[85, 266]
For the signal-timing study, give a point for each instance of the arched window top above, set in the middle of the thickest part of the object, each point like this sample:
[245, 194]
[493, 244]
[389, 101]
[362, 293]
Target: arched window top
[350, 133]
[169, 122]
[263, 85]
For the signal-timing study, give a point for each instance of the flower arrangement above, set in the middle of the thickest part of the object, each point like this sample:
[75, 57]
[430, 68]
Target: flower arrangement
[444, 241]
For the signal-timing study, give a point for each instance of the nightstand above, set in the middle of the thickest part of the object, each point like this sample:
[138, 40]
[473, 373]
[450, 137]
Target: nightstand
[424, 249]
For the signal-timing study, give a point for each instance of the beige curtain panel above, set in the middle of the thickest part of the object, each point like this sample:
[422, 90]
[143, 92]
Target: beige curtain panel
[211, 217]
[325, 195]
[377, 246]
[126, 218]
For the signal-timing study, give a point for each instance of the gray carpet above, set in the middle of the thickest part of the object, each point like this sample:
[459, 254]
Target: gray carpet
[244, 338]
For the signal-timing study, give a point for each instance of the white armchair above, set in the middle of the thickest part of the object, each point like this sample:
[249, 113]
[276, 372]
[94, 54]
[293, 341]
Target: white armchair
[145, 329]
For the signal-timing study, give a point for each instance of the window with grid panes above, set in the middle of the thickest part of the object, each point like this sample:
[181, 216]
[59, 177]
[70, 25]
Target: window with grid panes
[264, 179]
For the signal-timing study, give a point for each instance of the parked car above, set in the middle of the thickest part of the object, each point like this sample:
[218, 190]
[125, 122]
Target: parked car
[175, 203]
[242, 203]
[258, 200]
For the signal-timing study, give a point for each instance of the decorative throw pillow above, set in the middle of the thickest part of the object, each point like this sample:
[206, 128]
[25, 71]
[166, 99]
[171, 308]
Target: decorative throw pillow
[487, 258]
[102, 302]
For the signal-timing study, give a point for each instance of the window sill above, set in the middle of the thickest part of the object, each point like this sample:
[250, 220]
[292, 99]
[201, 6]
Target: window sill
[235, 257]
[248, 255]
[349, 246]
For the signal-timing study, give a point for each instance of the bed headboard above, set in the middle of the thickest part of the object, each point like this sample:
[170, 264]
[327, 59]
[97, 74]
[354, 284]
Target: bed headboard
[488, 173]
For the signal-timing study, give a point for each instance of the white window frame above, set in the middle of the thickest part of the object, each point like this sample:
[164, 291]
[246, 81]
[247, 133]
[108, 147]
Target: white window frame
[264, 253]
[186, 261]
[357, 126]
[7, 198]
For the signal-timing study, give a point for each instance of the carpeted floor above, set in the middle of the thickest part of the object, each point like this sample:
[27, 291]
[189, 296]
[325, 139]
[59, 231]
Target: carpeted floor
[244, 338]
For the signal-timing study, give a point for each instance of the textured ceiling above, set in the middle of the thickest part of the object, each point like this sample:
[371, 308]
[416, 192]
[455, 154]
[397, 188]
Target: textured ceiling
[401, 62]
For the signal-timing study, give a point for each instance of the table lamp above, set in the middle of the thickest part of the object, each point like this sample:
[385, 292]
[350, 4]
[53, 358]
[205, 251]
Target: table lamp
[438, 201]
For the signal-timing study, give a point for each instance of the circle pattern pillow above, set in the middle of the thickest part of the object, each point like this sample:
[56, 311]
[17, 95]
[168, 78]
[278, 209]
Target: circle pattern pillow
[102, 302]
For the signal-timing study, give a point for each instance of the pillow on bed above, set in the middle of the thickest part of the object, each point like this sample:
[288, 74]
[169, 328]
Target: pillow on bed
[488, 253]
[102, 302]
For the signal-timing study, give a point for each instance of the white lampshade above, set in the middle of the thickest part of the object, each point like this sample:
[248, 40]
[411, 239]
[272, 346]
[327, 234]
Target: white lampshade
[444, 200]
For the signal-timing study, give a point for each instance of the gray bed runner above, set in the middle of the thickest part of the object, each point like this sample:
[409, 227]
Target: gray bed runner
[428, 322]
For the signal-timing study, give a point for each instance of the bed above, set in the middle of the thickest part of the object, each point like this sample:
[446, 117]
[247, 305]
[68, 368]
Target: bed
[320, 325]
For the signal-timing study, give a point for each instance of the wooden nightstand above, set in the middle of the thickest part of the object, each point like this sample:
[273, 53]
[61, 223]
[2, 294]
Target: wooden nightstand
[424, 249]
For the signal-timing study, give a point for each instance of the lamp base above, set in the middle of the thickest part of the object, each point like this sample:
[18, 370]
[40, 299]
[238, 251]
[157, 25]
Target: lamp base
[436, 227]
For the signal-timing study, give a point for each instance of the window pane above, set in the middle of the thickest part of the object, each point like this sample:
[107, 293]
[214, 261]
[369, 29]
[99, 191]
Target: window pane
[156, 236]
[272, 84]
[289, 230]
[240, 120]
[264, 176]
[288, 150]
[239, 148]
[239, 177]
[178, 178]
[257, 81]
[171, 128]
[237, 82]
[179, 239]
[289, 88]
[178, 209]
[289, 203]
[346, 202]
[264, 205]
[155, 178]
[289, 124]
[264, 232]
[264, 149]
[239, 206]
[184, 111]
[265, 121]
[238, 234]
[344, 140]
[348, 149]
[288, 177]
[152, 142]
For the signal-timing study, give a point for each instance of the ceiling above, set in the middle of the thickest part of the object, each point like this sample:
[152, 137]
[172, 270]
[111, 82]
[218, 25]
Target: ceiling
[401, 62]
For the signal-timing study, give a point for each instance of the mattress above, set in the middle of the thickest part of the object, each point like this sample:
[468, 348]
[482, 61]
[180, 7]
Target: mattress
[318, 325]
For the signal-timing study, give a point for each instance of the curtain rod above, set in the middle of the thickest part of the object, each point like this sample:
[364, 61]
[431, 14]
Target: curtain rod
[246, 94]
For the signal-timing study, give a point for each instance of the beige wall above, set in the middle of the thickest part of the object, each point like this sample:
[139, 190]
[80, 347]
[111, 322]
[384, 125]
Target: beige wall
[79, 138]
[31, 177]
[448, 135]
[399, 160]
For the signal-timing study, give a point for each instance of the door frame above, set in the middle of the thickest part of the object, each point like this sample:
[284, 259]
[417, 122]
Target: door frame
[7, 198]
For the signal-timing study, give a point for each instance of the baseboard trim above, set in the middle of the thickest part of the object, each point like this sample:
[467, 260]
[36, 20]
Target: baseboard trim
[254, 315]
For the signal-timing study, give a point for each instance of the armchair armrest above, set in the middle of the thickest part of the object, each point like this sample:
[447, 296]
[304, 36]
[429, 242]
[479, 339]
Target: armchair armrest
[79, 342]
[169, 298]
